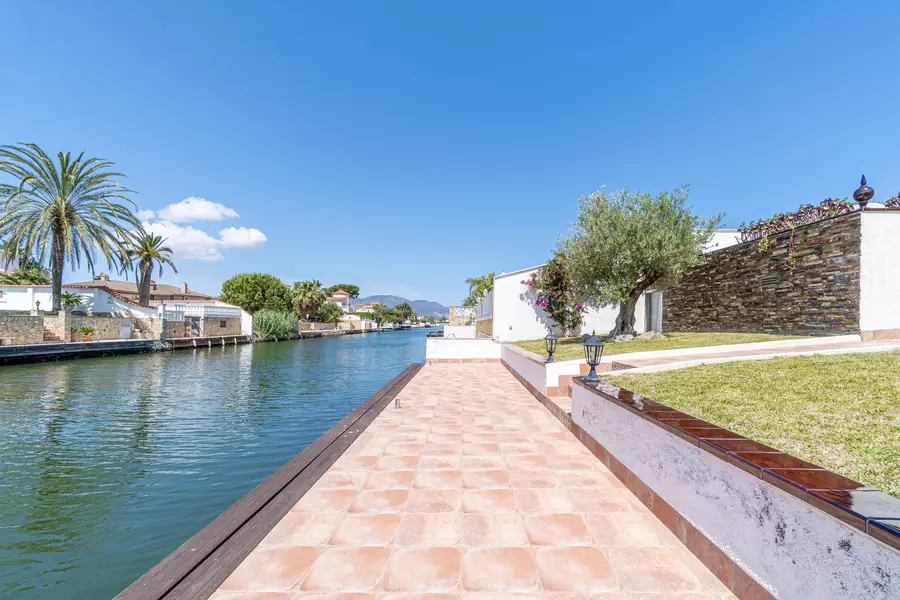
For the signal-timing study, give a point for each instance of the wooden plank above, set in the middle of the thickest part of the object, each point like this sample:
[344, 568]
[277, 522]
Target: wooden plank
[196, 554]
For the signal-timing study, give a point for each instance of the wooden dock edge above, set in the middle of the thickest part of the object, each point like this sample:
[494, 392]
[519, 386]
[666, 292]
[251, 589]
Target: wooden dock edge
[199, 566]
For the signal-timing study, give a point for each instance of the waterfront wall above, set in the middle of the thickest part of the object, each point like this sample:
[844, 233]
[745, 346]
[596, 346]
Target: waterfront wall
[219, 326]
[806, 282]
[21, 330]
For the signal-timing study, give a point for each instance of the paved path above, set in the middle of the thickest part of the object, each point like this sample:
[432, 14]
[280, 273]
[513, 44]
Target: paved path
[470, 489]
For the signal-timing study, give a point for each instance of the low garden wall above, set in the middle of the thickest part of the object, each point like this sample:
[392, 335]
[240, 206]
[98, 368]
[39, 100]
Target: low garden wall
[19, 330]
[803, 282]
[304, 326]
[764, 528]
[485, 327]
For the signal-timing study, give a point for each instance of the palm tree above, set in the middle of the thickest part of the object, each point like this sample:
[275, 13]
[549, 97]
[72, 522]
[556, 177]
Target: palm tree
[478, 288]
[405, 311]
[308, 297]
[147, 250]
[63, 210]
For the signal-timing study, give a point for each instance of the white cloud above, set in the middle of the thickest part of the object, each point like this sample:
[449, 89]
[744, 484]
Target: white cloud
[188, 242]
[196, 209]
[145, 215]
[242, 237]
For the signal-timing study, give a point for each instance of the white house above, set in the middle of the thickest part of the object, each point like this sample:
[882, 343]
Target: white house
[515, 317]
[342, 299]
[98, 300]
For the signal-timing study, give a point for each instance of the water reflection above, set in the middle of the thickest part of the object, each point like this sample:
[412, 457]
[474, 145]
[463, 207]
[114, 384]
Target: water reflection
[106, 465]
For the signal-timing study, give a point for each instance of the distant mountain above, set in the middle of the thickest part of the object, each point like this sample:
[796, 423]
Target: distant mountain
[423, 308]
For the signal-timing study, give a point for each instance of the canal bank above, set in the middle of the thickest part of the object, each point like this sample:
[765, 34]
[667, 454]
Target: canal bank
[107, 466]
[71, 350]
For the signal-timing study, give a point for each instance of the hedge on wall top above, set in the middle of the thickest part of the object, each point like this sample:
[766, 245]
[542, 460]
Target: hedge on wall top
[806, 214]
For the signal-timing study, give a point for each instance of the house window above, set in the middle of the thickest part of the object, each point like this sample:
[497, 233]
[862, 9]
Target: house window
[223, 323]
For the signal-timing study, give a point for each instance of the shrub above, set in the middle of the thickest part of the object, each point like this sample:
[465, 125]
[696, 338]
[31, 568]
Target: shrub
[274, 323]
[806, 214]
[256, 291]
[554, 293]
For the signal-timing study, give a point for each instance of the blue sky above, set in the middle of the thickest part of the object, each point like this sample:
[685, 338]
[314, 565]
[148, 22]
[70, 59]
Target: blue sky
[404, 146]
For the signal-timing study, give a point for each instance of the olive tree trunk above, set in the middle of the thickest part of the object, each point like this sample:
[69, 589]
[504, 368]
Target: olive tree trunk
[625, 319]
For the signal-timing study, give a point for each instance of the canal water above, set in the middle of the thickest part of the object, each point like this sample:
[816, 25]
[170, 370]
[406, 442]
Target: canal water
[108, 464]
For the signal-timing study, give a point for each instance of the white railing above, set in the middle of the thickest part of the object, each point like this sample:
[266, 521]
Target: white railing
[177, 312]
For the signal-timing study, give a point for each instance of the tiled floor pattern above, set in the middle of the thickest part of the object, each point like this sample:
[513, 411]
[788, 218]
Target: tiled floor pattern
[469, 489]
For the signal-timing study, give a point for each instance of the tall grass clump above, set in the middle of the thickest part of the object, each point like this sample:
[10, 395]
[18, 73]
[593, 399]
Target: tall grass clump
[274, 323]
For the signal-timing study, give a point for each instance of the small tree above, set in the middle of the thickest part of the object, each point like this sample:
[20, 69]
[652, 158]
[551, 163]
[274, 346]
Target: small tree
[351, 289]
[29, 272]
[308, 297]
[624, 243]
[405, 311]
[256, 291]
[330, 313]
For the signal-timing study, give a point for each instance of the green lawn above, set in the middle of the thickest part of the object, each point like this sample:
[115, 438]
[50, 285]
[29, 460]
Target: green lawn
[571, 348]
[841, 412]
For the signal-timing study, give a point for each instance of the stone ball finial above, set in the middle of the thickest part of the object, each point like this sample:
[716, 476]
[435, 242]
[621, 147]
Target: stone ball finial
[863, 193]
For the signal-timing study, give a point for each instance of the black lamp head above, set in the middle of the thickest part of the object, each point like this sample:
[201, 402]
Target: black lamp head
[863, 193]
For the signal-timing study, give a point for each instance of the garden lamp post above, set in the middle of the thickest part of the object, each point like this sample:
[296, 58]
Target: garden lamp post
[593, 352]
[863, 193]
[550, 345]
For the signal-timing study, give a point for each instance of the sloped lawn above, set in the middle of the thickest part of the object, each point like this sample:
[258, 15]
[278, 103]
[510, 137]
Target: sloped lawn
[572, 349]
[841, 412]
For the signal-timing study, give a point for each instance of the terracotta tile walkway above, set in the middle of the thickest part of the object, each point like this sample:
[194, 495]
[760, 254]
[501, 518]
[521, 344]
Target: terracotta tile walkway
[469, 489]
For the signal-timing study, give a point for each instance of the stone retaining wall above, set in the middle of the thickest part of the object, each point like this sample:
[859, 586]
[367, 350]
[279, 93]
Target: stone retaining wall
[213, 326]
[18, 330]
[807, 282]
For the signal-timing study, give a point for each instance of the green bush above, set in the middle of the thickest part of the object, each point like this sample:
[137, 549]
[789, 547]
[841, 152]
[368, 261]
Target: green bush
[274, 323]
[255, 292]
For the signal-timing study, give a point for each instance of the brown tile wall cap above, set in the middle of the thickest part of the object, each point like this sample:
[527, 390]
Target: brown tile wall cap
[885, 530]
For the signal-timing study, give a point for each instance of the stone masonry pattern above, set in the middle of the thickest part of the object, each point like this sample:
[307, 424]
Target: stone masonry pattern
[742, 289]
[17, 330]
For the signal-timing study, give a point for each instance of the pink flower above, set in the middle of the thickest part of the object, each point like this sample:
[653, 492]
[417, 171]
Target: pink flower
[580, 305]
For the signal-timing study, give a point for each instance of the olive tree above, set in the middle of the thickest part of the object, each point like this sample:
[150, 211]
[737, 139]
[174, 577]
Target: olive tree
[625, 242]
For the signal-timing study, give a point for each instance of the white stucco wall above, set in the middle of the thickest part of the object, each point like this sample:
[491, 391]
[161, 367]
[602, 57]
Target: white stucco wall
[516, 318]
[722, 238]
[442, 348]
[793, 549]
[94, 300]
[460, 332]
[527, 364]
[879, 277]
